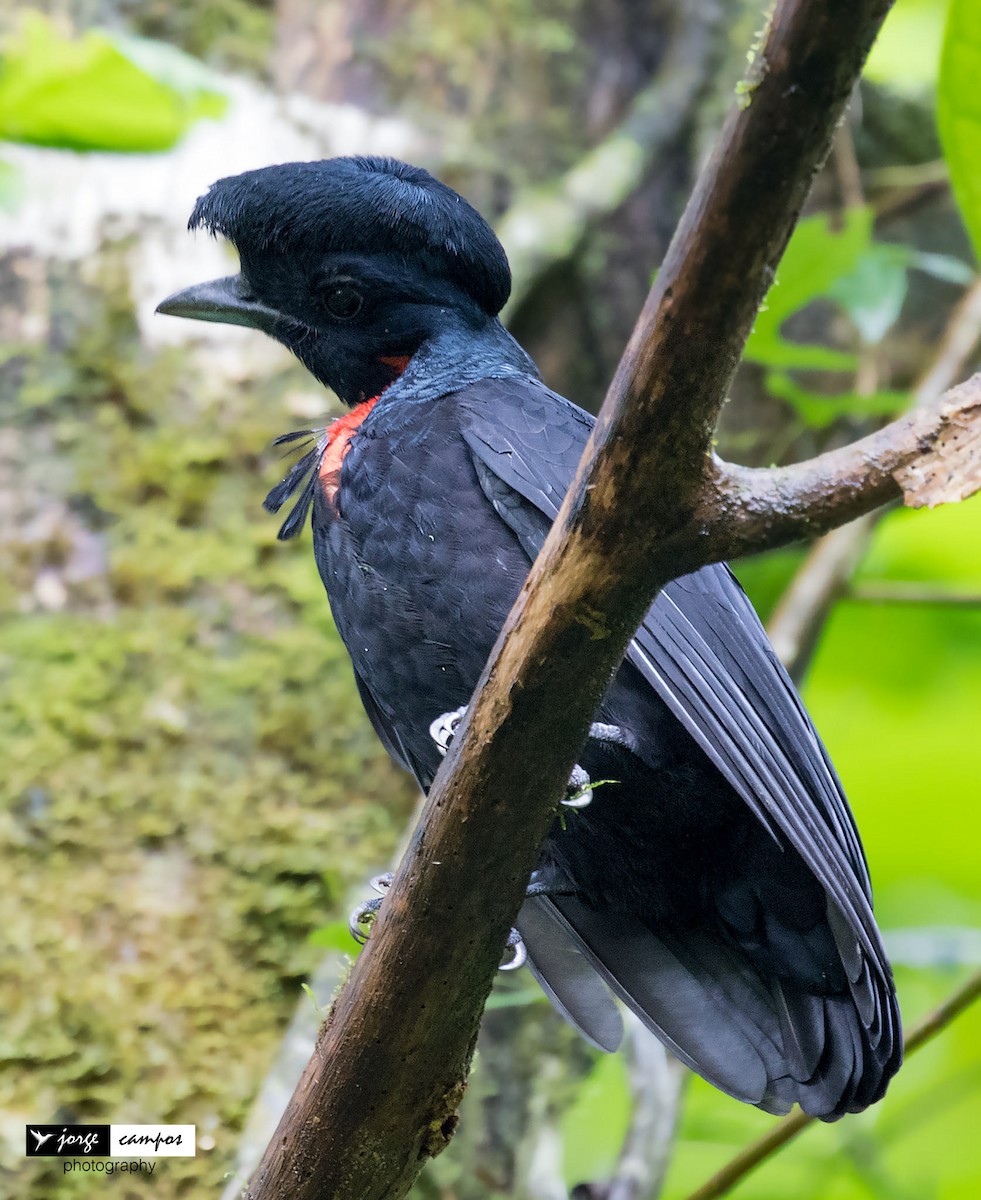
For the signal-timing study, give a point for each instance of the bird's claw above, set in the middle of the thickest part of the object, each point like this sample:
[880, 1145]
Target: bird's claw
[579, 792]
[615, 734]
[444, 728]
[363, 917]
[519, 955]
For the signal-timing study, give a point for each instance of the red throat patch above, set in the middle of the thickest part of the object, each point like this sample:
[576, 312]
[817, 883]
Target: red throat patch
[339, 435]
[398, 361]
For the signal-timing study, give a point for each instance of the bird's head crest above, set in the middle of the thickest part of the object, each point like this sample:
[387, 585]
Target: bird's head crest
[360, 205]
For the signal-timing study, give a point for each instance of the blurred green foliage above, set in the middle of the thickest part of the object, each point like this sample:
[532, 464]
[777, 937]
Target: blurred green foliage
[894, 690]
[906, 55]
[189, 784]
[959, 110]
[835, 259]
[98, 92]
[594, 1125]
[232, 35]
[820, 252]
[10, 186]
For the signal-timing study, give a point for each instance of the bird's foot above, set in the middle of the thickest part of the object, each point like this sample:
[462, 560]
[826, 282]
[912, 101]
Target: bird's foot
[579, 792]
[519, 955]
[363, 917]
[543, 884]
[443, 729]
[614, 734]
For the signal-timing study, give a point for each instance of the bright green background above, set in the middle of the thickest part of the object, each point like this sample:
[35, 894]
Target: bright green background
[894, 691]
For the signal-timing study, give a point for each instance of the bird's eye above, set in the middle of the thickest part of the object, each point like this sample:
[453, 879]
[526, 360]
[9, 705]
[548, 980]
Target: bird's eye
[343, 301]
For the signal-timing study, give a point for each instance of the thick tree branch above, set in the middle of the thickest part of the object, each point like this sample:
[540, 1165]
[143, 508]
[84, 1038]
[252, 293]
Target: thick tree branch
[381, 1092]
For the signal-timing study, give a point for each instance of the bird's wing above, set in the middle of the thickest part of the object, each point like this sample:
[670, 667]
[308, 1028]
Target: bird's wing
[388, 734]
[566, 975]
[703, 650]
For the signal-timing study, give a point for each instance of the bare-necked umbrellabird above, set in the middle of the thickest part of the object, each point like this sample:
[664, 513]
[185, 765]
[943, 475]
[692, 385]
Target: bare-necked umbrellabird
[719, 886]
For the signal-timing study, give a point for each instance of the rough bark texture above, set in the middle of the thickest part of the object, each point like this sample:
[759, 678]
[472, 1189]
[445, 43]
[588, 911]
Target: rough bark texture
[381, 1091]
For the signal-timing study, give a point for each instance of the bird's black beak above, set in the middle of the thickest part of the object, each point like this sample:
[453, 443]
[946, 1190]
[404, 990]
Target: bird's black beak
[229, 301]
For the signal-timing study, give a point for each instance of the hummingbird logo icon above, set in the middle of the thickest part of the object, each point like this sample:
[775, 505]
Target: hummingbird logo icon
[66, 1140]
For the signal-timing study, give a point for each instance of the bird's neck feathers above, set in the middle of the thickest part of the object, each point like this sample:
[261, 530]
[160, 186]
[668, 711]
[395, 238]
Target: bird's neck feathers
[456, 355]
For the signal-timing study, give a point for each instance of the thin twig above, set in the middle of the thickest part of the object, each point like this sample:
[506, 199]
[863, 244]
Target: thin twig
[905, 201]
[928, 457]
[759, 1151]
[846, 168]
[913, 593]
[912, 176]
[934, 1022]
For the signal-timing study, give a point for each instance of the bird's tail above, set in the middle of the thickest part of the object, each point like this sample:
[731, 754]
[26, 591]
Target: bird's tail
[766, 1041]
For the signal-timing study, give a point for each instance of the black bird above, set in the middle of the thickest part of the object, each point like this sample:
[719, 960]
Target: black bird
[719, 886]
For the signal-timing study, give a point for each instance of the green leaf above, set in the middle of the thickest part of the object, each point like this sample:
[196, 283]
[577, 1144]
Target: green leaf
[187, 76]
[819, 410]
[816, 257]
[873, 291]
[305, 987]
[959, 110]
[943, 266]
[796, 356]
[820, 251]
[86, 94]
